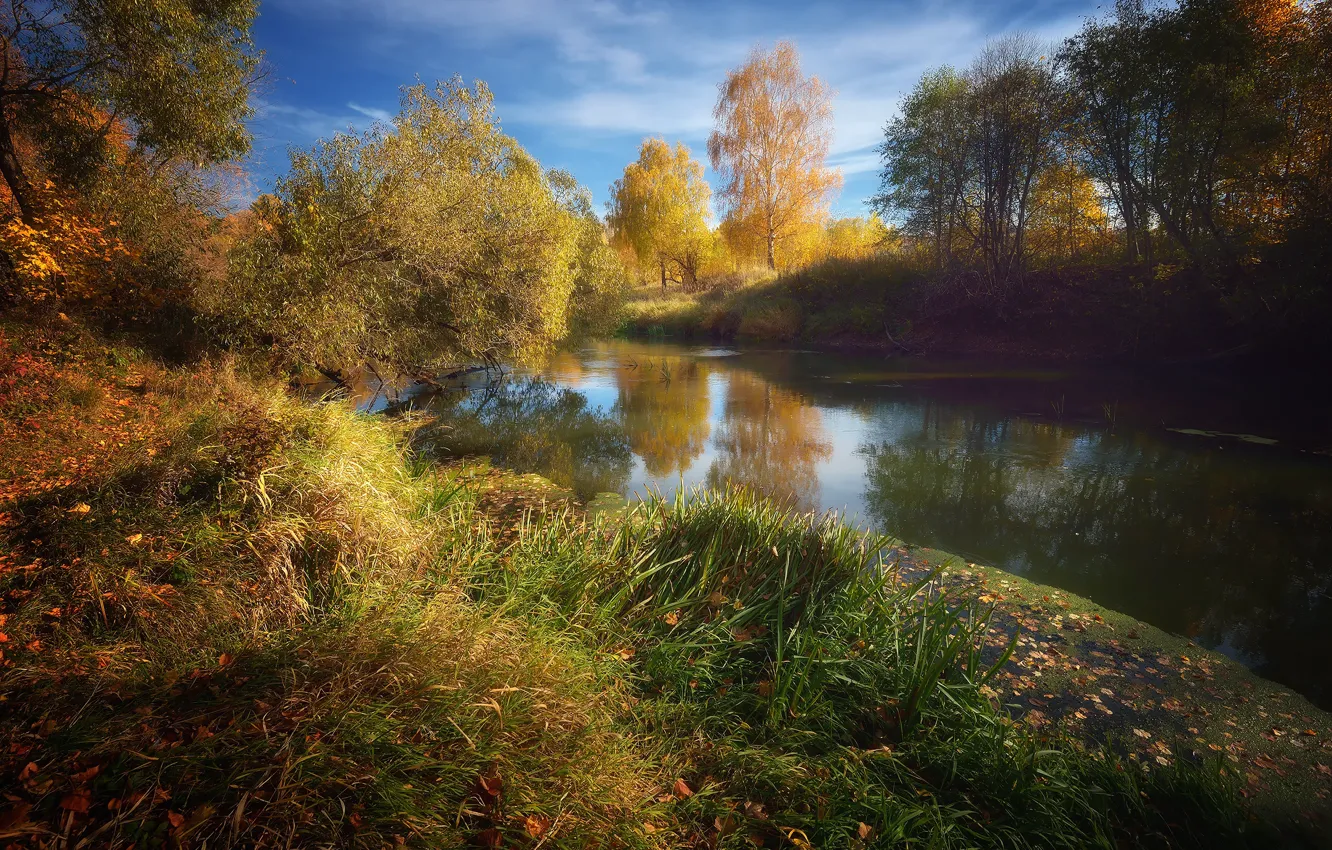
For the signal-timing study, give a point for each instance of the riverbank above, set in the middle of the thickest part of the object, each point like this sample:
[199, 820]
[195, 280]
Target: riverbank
[233, 616]
[1093, 314]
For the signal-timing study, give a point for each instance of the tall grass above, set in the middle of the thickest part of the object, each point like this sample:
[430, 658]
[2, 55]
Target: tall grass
[806, 693]
[276, 628]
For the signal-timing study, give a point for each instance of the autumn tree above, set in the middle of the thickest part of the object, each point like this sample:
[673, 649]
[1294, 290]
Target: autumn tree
[658, 211]
[433, 239]
[770, 145]
[117, 124]
[1205, 119]
[1068, 221]
[855, 238]
[176, 73]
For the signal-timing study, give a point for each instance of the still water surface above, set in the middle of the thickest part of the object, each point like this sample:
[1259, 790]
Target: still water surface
[1199, 508]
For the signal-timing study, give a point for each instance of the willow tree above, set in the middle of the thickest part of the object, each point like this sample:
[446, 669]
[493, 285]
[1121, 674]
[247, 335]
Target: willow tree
[438, 238]
[770, 146]
[658, 211]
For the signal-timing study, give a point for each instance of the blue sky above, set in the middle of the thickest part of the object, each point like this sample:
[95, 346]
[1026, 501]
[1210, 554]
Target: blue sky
[580, 83]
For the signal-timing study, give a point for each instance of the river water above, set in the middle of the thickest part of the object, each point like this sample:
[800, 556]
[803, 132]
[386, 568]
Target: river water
[1191, 504]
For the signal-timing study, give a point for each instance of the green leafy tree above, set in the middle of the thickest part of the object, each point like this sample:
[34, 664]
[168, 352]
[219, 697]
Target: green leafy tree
[600, 278]
[437, 238]
[926, 166]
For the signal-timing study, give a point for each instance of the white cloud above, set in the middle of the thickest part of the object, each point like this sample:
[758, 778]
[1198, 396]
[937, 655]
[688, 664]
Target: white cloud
[862, 161]
[371, 112]
[302, 121]
[585, 76]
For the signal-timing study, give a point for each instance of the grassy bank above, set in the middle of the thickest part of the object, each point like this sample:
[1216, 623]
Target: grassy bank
[1087, 313]
[235, 617]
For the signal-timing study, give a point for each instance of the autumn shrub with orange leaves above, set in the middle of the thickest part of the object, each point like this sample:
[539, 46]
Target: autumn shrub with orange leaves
[63, 253]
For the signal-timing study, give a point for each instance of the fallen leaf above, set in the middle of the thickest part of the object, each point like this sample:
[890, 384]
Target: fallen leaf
[134, 539]
[682, 789]
[536, 825]
[75, 802]
[84, 775]
[15, 815]
[176, 819]
[81, 508]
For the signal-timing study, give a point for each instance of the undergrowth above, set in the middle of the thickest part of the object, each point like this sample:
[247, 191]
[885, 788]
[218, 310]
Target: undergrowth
[260, 622]
[835, 300]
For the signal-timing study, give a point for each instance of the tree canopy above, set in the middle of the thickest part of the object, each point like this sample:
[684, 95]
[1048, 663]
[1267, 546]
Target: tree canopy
[436, 238]
[770, 146]
[1193, 134]
[658, 211]
[173, 74]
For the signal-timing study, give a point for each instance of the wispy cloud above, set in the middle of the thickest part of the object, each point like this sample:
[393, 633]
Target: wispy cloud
[580, 82]
[371, 112]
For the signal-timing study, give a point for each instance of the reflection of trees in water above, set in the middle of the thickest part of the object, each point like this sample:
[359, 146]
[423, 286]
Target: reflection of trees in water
[770, 440]
[1232, 552]
[531, 425]
[665, 412]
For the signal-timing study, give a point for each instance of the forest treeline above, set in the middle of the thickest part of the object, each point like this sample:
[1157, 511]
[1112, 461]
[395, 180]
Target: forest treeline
[1196, 135]
[1160, 150]
[1179, 148]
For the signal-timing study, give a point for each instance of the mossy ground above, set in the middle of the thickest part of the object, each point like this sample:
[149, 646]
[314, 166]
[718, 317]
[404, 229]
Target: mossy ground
[1102, 676]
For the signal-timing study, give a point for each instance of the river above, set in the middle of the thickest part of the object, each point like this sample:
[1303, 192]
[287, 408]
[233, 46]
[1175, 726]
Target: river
[1198, 507]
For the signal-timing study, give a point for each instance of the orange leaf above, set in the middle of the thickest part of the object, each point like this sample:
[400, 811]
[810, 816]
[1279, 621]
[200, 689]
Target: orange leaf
[176, 819]
[84, 775]
[682, 789]
[536, 825]
[75, 802]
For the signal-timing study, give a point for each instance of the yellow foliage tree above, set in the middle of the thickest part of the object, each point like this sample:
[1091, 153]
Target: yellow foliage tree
[1068, 220]
[658, 211]
[856, 238]
[774, 127]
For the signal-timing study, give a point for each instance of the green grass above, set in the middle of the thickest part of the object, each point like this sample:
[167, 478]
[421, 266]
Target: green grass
[836, 301]
[273, 626]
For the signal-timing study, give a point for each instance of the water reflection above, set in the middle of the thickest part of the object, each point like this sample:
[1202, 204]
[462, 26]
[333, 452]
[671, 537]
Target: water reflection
[531, 425]
[770, 440]
[1220, 539]
[663, 404]
[1228, 547]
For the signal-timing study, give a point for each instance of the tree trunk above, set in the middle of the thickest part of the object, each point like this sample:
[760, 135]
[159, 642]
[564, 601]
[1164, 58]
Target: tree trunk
[772, 254]
[662, 263]
[13, 172]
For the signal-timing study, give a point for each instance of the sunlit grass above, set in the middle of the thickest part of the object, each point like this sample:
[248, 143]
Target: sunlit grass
[272, 625]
